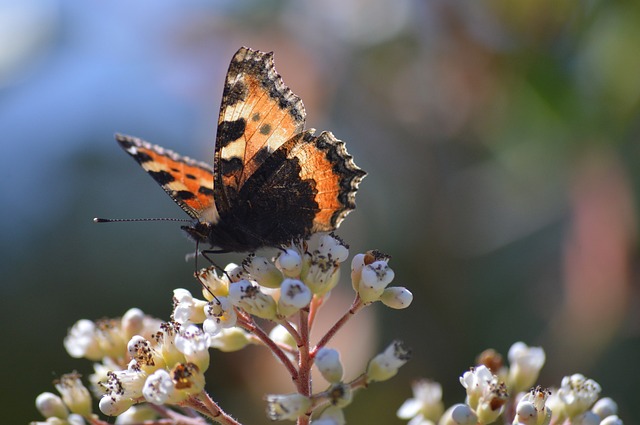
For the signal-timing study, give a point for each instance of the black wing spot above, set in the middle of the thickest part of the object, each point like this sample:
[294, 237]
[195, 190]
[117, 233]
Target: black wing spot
[262, 155]
[205, 191]
[228, 131]
[235, 93]
[183, 195]
[256, 116]
[231, 165]
[265, 129]
[162, 177]
[142, 157]
[190, 176]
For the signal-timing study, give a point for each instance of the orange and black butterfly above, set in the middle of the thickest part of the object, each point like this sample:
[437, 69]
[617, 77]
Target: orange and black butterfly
[271, 182]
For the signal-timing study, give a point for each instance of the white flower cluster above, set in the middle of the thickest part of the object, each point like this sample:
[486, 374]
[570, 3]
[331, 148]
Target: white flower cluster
[142, 362]
[495, 391]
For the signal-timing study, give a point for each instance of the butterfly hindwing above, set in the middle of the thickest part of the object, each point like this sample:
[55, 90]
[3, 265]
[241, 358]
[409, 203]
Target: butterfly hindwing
[258, 114]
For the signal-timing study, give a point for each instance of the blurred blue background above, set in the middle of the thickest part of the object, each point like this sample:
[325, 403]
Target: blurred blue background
[500, 137]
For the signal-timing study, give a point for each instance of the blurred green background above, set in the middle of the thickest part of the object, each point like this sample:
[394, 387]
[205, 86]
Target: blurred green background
[500, 137]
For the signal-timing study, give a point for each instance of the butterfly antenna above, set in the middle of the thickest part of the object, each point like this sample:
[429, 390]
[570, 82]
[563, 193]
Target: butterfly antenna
[123, 220]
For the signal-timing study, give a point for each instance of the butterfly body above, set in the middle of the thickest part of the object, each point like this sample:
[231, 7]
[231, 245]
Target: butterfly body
[271, 181]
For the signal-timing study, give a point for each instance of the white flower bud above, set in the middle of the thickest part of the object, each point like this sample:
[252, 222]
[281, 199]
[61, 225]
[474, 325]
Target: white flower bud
[287, 406]
[329, 364]
[262, 271]
[396, 297]
[50, 405]
[132, 322]
[611, 420]
[137, 415]
[524, 366]
[605, 407]
[290, 263]
[459, 414]
[114, 405]
[586, 418]
[74, 394]
[81, 341]
[232, 339]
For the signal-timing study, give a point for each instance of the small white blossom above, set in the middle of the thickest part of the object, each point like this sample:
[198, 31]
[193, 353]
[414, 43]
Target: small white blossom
[187, 309]
[194, 343]
[485, 394]
[220, 315]
[141, 351]
[577, 394]
[287, 406]
[262, 271]
[125, 383]
[374, 279]
[232, 339]
[247, 296]
[294, 295]
[94, 341]
[158, 388]
[321, 273]
[385, 365]
[214, 285]
[532, 409]
[81, 341]
[426, 405]
[340, 394]
[74, 394]
[475, 381]
[524, 366]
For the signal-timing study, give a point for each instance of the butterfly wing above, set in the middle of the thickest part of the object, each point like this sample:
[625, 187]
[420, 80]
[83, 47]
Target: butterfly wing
[258, 115]
[308, 185]
[324, 160]
[189, 183]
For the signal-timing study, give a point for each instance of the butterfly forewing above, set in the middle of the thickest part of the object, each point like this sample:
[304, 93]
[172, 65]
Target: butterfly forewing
[258, 115]
[189, 183]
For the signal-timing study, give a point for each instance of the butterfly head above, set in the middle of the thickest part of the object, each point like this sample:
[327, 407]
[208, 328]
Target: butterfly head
[198, 231]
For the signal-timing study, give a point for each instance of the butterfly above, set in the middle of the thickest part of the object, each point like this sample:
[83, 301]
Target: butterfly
[271, 182]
